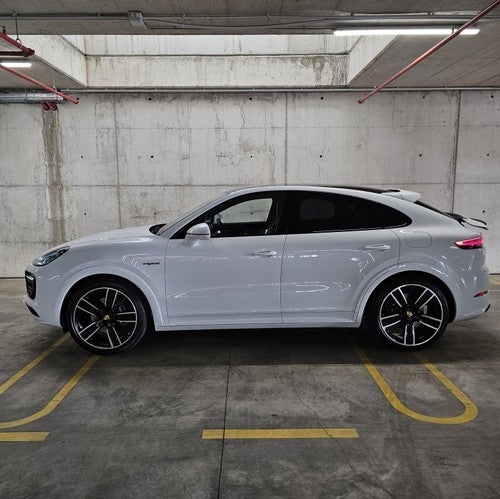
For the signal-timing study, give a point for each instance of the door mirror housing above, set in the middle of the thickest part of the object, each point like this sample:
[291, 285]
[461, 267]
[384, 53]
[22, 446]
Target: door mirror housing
[198, 232]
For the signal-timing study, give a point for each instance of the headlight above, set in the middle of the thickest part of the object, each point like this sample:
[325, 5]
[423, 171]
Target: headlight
[50, 256]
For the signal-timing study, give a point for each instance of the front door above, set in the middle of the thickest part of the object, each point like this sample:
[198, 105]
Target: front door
[233, 278]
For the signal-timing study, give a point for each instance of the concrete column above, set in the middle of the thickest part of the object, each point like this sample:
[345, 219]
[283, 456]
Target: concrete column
[55, 207]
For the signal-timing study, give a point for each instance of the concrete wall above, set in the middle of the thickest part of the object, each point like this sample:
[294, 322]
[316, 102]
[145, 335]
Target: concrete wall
[126, 159]
[220, 72]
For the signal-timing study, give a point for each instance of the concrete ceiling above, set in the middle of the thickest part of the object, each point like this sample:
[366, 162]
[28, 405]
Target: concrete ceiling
[217, 16]
[40, 70]
[466, 61]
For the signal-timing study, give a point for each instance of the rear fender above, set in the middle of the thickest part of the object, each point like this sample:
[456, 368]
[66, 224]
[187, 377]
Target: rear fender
[445, 278]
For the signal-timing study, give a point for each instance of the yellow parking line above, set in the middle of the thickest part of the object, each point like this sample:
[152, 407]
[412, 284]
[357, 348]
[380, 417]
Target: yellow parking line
[57, 399]
[495, 280]
[24, 436]
[469, 413]
[254, 433]
[25, 370]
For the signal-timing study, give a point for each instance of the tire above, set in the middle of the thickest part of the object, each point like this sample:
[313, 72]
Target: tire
[106, 316]
[409, 314]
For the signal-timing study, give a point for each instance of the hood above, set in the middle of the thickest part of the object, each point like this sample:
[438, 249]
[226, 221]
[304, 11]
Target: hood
[128, 235]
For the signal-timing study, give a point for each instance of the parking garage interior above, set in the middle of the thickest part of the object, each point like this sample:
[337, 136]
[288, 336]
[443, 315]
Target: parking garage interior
[136, 112]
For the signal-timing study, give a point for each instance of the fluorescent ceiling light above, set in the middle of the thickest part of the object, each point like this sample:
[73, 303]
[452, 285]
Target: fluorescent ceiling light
[16, 64]
[402, 31]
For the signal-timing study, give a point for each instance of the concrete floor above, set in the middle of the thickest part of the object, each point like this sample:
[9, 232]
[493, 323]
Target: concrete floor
[132, 426]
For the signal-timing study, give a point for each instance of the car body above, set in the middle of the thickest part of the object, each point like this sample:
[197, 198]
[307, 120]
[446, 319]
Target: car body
[277, 256]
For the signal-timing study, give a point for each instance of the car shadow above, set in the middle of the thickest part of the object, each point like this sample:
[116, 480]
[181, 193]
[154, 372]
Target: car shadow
[301, 346]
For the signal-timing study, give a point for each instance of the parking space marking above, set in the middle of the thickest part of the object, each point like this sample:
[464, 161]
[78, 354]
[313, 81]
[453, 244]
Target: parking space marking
[26, 369]
[57, 399]
[24, 436]
[279, 433]
[495, 280]
[468, 415]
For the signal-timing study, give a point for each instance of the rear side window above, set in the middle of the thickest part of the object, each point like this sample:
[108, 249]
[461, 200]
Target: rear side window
[317, 209]
[313, 212]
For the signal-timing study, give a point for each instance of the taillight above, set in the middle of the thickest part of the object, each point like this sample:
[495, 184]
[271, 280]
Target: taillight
[474, 243]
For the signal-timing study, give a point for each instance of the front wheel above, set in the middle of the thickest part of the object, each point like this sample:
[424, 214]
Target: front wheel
[410, 315]
[106, 317]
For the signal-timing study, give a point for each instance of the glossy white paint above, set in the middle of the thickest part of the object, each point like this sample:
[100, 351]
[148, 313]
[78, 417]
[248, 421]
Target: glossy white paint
[224, 281]
[132, 254]
[323, 274]
[279, 280]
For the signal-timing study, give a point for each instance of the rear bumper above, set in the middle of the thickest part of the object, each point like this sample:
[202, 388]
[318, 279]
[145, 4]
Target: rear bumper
[473, 308]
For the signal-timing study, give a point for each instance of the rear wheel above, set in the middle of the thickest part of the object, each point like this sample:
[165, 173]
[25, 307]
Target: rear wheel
[410, 314]
[106, 316]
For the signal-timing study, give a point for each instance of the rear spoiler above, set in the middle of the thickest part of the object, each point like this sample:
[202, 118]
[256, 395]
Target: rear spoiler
[474, 222]
[402, 194]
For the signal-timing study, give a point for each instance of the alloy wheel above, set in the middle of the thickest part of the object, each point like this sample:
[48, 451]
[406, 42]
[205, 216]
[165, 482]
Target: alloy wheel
[104, 318]
[411, 315]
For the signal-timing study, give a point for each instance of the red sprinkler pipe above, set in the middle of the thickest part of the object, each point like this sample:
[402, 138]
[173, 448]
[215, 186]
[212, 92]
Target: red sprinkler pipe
[40, 84]
[10, 53]
[26, 51]
[431, 51]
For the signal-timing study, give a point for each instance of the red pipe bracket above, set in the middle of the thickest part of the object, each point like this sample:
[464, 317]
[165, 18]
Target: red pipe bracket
[26, 51]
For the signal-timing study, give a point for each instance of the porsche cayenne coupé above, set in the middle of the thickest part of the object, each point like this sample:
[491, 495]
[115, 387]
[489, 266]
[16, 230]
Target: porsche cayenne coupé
[281, 257]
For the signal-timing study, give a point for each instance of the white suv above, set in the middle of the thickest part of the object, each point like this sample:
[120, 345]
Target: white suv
[280, 256]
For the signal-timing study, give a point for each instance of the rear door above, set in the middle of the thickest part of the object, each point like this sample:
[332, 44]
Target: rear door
[335, 245]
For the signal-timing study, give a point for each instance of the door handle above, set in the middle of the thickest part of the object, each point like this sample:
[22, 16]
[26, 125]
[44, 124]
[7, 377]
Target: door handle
[378, 247]
[264, 252]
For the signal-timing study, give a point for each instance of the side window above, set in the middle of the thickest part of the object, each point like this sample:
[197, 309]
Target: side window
[249, 215]
[390, 217]
[317, 209]
[314, 212]
[363, 214]
[253, 210]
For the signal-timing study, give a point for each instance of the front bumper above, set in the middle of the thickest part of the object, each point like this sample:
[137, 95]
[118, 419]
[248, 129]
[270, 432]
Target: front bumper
[42, 291]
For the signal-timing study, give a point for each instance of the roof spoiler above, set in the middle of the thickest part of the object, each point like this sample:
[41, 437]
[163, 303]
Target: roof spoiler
[402, 194]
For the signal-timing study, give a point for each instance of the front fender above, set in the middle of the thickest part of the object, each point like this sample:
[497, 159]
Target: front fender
[153, 293]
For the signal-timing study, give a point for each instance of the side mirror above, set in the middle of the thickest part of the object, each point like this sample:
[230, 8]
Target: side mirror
[198, 232]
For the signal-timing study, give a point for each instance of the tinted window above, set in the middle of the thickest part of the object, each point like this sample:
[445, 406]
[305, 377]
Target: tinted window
[316, 209]
[311, 212]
